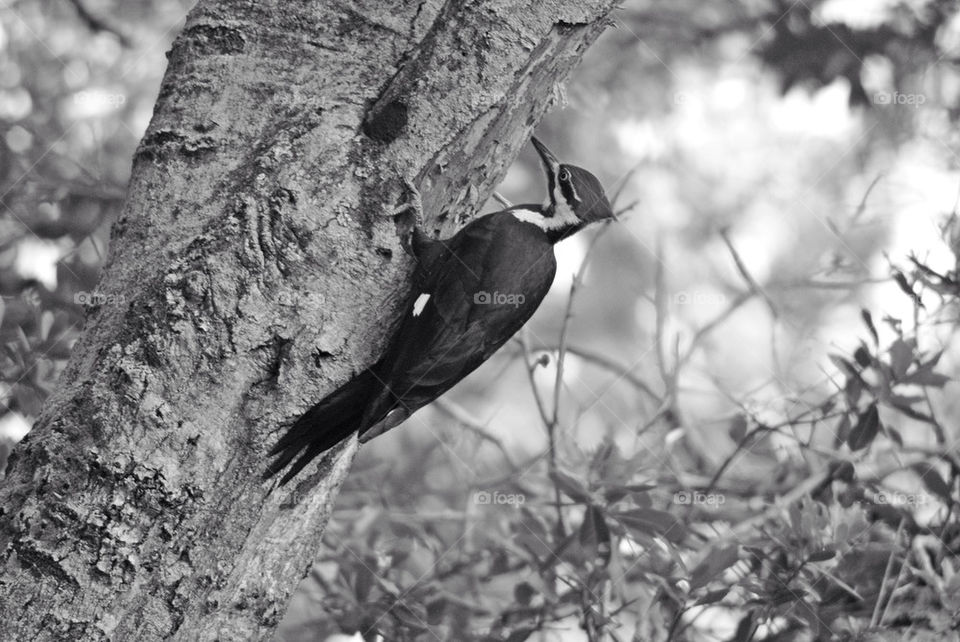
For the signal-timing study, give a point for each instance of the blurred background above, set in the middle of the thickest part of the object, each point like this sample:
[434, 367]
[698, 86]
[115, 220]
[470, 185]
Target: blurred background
[780, 168]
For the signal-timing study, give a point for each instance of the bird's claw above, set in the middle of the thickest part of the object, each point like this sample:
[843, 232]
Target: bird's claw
[408, 216]
[412, 202]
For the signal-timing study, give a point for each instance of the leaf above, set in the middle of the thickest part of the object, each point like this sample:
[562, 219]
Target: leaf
[930, 378]
[571, 487]
[823, 494]
[615, 492]
[435, 610]
[933, 361]
[388, 586]
[500, 564]
[602, 455]
[409, 617]
[653, 522]
[853, 389]
[925, 376]
[519, 635]
[862, 356]
[901, 356]
[868, 425]
[842, 430]
[712, 597]
[738, 428]
[531, 534]
[363, 581]
[903, 400]
[842, 470]
[901, 281]
[868, 321]
[927, 270]
[745, 629]
[931, 478]
[46, 322]
[640, 488]
[523, 593]
[847, 497]
[595, 535]
[22, 338]
[561, 553]
[843, 365]
[822, 555]
[895, 435]
[894, 324]
[903, 405]
[715, 563]
[796, 517]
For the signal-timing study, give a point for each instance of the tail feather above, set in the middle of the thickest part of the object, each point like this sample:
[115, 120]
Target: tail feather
[323, 426]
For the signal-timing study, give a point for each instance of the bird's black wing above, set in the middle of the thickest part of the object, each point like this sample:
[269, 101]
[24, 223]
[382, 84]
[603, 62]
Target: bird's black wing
[488, 283]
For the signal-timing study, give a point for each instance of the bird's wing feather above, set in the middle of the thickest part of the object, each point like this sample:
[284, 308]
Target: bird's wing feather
[455, 331]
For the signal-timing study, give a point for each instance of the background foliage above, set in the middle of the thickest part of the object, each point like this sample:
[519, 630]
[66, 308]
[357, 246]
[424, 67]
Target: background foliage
[735, 415]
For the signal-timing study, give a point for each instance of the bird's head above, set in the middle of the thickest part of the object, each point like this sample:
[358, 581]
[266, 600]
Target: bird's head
[572, 190]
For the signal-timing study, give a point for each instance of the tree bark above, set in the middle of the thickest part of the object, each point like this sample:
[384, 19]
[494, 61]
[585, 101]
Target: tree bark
[252, 271]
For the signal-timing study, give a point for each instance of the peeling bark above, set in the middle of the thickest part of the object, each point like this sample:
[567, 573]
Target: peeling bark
[252, 271]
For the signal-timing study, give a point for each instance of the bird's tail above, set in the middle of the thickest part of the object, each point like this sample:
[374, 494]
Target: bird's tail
[323, 426]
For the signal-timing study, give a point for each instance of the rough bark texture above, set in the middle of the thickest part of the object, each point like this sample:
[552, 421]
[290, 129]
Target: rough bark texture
[252, 271]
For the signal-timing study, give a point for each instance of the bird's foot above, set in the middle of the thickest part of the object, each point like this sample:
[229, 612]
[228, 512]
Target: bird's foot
[412, 202]
[408, 216]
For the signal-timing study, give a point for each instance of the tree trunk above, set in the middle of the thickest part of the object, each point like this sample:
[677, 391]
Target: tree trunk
[253, 270]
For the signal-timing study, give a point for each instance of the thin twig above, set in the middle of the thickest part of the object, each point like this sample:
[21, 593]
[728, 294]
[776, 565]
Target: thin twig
[567, 316]
[617, 193]
[606, 363]
[742, 269]
[620, 213]
[711, 325]
[897, 582]
[554, 421]
[875, 618]
[815, 284]
[502, 199]
[660, 306]
[531, 367]
[96, 23]
[861, 208]
[462, 416]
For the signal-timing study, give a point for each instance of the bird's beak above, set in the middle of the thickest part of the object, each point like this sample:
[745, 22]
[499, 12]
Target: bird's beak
[550, 162]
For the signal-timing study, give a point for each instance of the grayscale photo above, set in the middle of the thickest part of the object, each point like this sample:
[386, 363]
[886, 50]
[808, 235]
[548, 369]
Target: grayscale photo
[480, 320]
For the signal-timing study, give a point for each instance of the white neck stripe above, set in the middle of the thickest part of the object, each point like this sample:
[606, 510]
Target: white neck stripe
[563, 217]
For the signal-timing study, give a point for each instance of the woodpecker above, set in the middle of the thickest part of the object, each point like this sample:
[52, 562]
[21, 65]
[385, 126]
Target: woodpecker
[470, 294]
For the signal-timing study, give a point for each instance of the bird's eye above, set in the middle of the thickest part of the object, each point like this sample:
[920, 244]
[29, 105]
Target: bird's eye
[564, 175]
